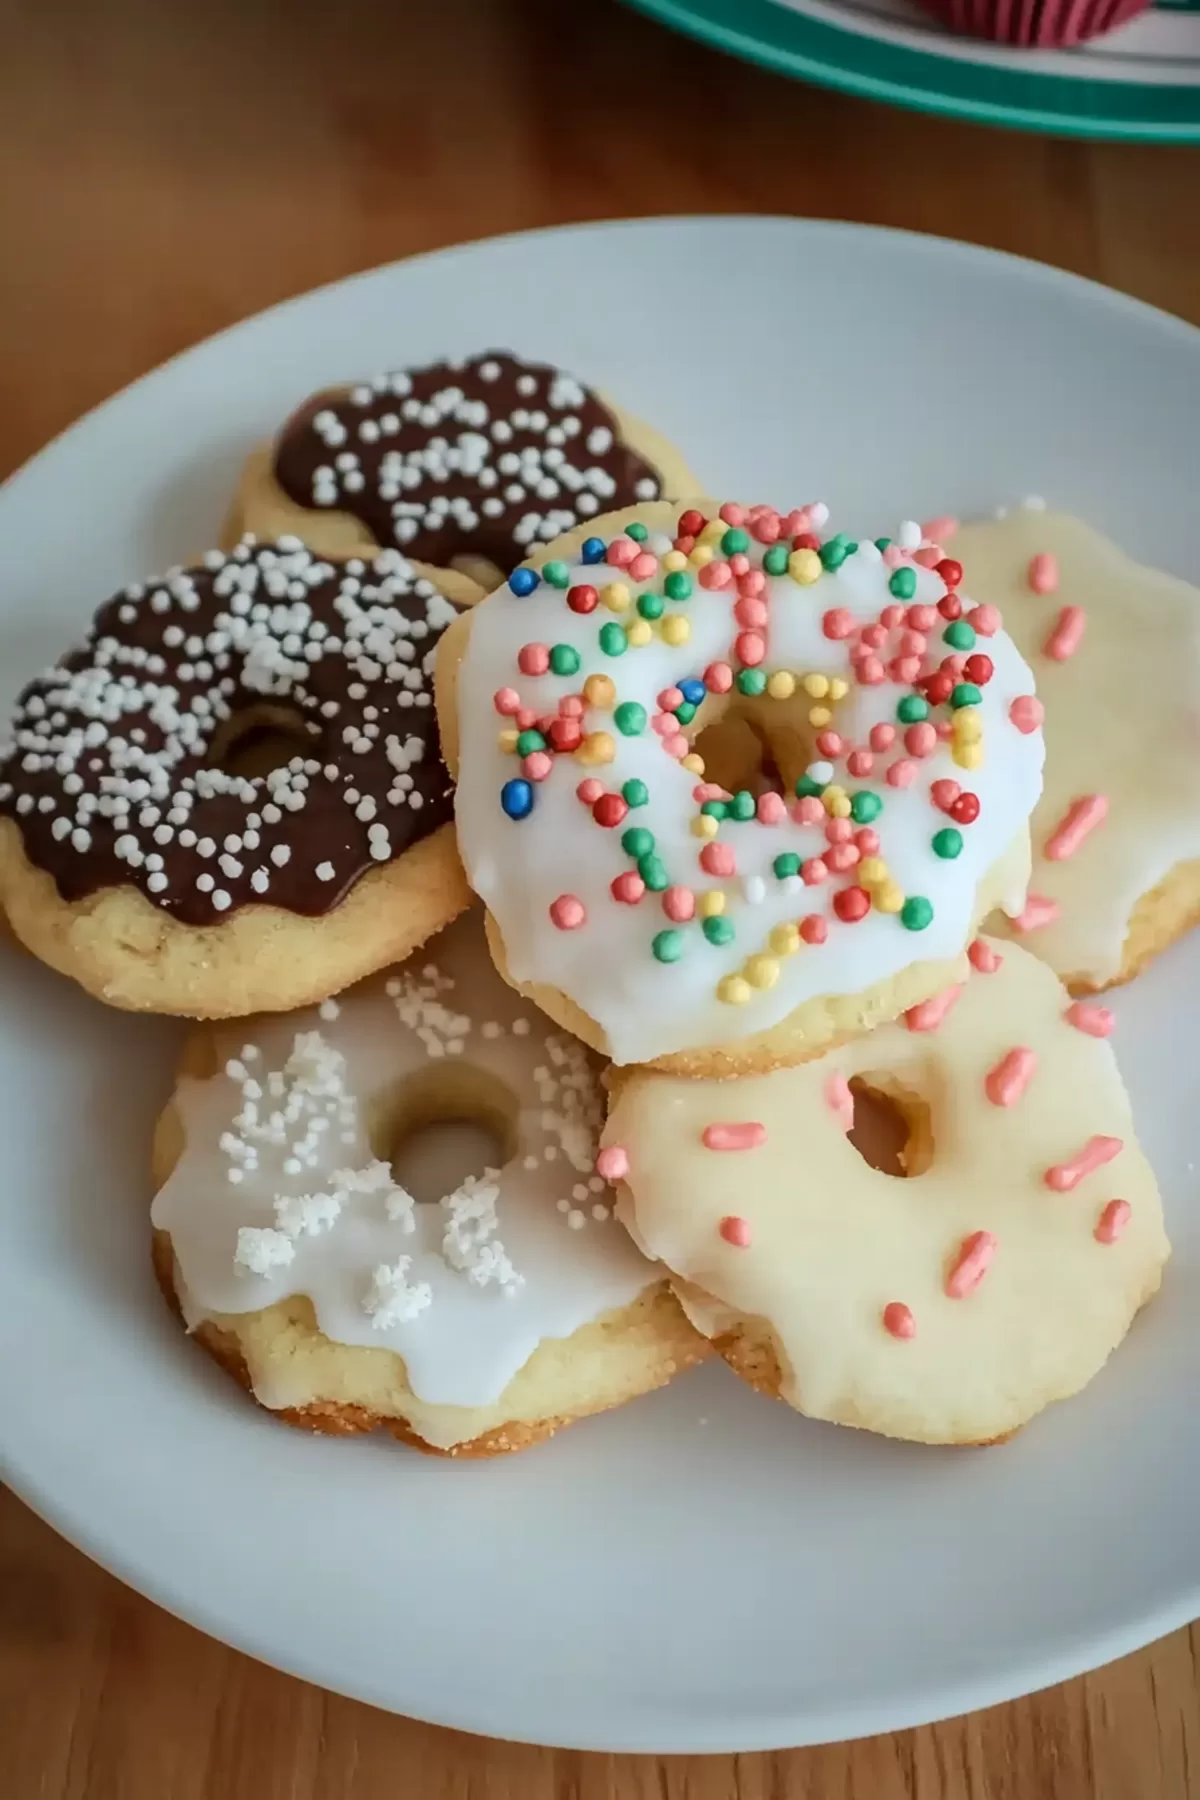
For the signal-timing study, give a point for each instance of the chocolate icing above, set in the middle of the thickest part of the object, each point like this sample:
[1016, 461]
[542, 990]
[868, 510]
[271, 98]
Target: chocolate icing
[486, 457]
[106, 768]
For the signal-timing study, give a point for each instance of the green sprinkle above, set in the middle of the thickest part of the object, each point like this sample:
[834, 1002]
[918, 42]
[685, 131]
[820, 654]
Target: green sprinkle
[651, 606]
[637, 531]
[751, 681]
[916, 913]
[902, 583]
[743, 805]
[613, 641]
[557, 574]
[719, 930]
[637, 841]
[668, 946]
[685, 712]
[960, 635]
[775, 561]
[630, 718]
[947, 843]
[965, 694]
[882, 543]
[653, 872]
[785, 864]
[806, 786]
[735, 541]
[715, 809]
[529, 741]
[834, 553]
[865, 806]
[912, 709]
[677, 585]
[564, 659]
[635, 792]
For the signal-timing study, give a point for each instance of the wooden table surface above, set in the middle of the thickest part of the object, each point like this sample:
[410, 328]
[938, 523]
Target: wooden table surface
[167, 168]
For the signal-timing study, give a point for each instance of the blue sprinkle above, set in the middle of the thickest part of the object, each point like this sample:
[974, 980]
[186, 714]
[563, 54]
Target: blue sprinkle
[522, 582]
[516, 797]
[593, 550]
[693, 690]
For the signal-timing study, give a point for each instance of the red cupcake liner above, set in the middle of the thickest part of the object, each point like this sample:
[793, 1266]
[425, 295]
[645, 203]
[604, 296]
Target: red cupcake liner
[1041, 24]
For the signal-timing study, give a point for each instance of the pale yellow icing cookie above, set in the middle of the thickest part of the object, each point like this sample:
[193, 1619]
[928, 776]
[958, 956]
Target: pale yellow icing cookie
[946, 1308]
[1115, 648]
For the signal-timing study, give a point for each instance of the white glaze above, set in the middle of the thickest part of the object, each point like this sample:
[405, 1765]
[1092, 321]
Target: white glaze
[647, 1008]
[466, 1344]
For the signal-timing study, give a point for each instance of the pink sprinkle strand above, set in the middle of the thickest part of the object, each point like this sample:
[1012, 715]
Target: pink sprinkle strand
[1112, 1221]
[1042, 574]
[840, 1100]
[898, 1319]
[970, 1265]
[1067, 635]
[1027, 713]
[1097, 1021]
[1063, 1177]
[735, 1231]
[984, 958]
[1038, 911]
[1005, 1084]
[613, 1163]
[930, 1013]
[939, 530]
[1082, 818]
[734, 1134]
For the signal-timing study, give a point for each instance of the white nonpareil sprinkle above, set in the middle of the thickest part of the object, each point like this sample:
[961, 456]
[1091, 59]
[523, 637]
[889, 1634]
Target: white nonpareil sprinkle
[392, 1298]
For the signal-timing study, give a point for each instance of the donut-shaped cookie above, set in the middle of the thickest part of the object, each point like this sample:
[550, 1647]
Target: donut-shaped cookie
[473, 1325]
[1116, 650]
[462, 466]
[667, 918]
[948, 1307]
[131, 860]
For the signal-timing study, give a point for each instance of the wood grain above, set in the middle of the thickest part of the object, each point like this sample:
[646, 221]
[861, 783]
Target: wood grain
[168, 168]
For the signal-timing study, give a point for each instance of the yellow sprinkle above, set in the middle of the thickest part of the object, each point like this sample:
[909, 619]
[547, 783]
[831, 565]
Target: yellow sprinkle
[872, 869]
[733, 990]
[701, 554]
[761, 971]
[819, 716]
[712, 904]
[676, 629]
[889, 898]
[616, 596]
[599, 691]
[508, 741]
[968, 756]
[781, 685]
[804, 566]
[784, 940]
[693, 762]
[714, 531]
[705, 826]
[638, 633]
[838, 807]
[816, 686]
[838, 689]
[597, 747]
[674, 559]
[968, 727]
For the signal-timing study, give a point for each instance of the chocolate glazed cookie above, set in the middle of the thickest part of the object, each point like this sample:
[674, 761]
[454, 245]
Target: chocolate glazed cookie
[137, 856]
[461, 466]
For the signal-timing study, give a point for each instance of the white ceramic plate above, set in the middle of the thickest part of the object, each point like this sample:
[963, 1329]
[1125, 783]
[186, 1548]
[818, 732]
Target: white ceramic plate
[702, 1571]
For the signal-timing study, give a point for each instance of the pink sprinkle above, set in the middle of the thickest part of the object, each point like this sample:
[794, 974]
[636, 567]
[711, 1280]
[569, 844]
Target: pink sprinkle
[1027, 713]
[533, 659]
[944, 729]
[913, 643]
[1042, 574]
[939, 530]
[808, 810]
[771, 809]
[718, 677]
[930, 1013]
[902, 773]
[882, 737]
[922, 618]
[670, 698]
[506, 701]
[620, 552]
[1112, 1221]
[921, 739]
[953, 665]
[734, 1134]
[838, 623]
[898, 1319]
[676, 746]
[905, 669]
[571, 706]
[735, 1231]
[813, 928]
[628, 887]
[970, 1265]
[867, 840]
[751, 612]
[840, 1100]
[894, 557]
[1095, 1153]
[842, 857]
[983, 957]
[986, 619]
[813, 873]
[873, 636]
[870, 671]
[838, 831]
[1005, 1084]
[679, 904]
[752, 583]
[766, 525]
[732, 513]
[830, 744]
[718, 859]
[929, 556]
[944, 794]
[1067, 635]
[751, 647]
[716, 575]
[739, 564]
[526, 719]
[537, 765]
[664, 724]
[643, 566]
[589, 791]
[1039, 911]
[892, 616]
[568, 912]
[709, 790]
[1082, 817]
[613, 1163]
[1096, 1021]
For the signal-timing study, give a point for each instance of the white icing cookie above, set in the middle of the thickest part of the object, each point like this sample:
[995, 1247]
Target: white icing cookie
[948, 1308]
[672, 915]
[481, 1322]
[1116, 651]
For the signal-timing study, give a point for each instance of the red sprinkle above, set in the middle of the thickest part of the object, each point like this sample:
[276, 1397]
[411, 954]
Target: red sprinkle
[979, 669]
[898, 1319]
[938, 688]
[1112, 1221]
[1063, 1177]
[950, 571]
[882, 737]
[1005, 1084]
[734, 1134]
[930, 1013]
[1096, 1021]
[735, 1231]
[568, 912]
[851, 904]
[813, 928]
[583, 599]
[965, 810]
[983, 957]
[565, 734]
[609, 810]
[950, 606]
[1042, 574]
[970, 1265]
[692, 523]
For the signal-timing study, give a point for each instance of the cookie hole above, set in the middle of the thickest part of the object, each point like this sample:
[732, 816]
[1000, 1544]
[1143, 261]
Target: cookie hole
[440, 1126]
[260, 739]
[736, 754]
[892, 1129]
